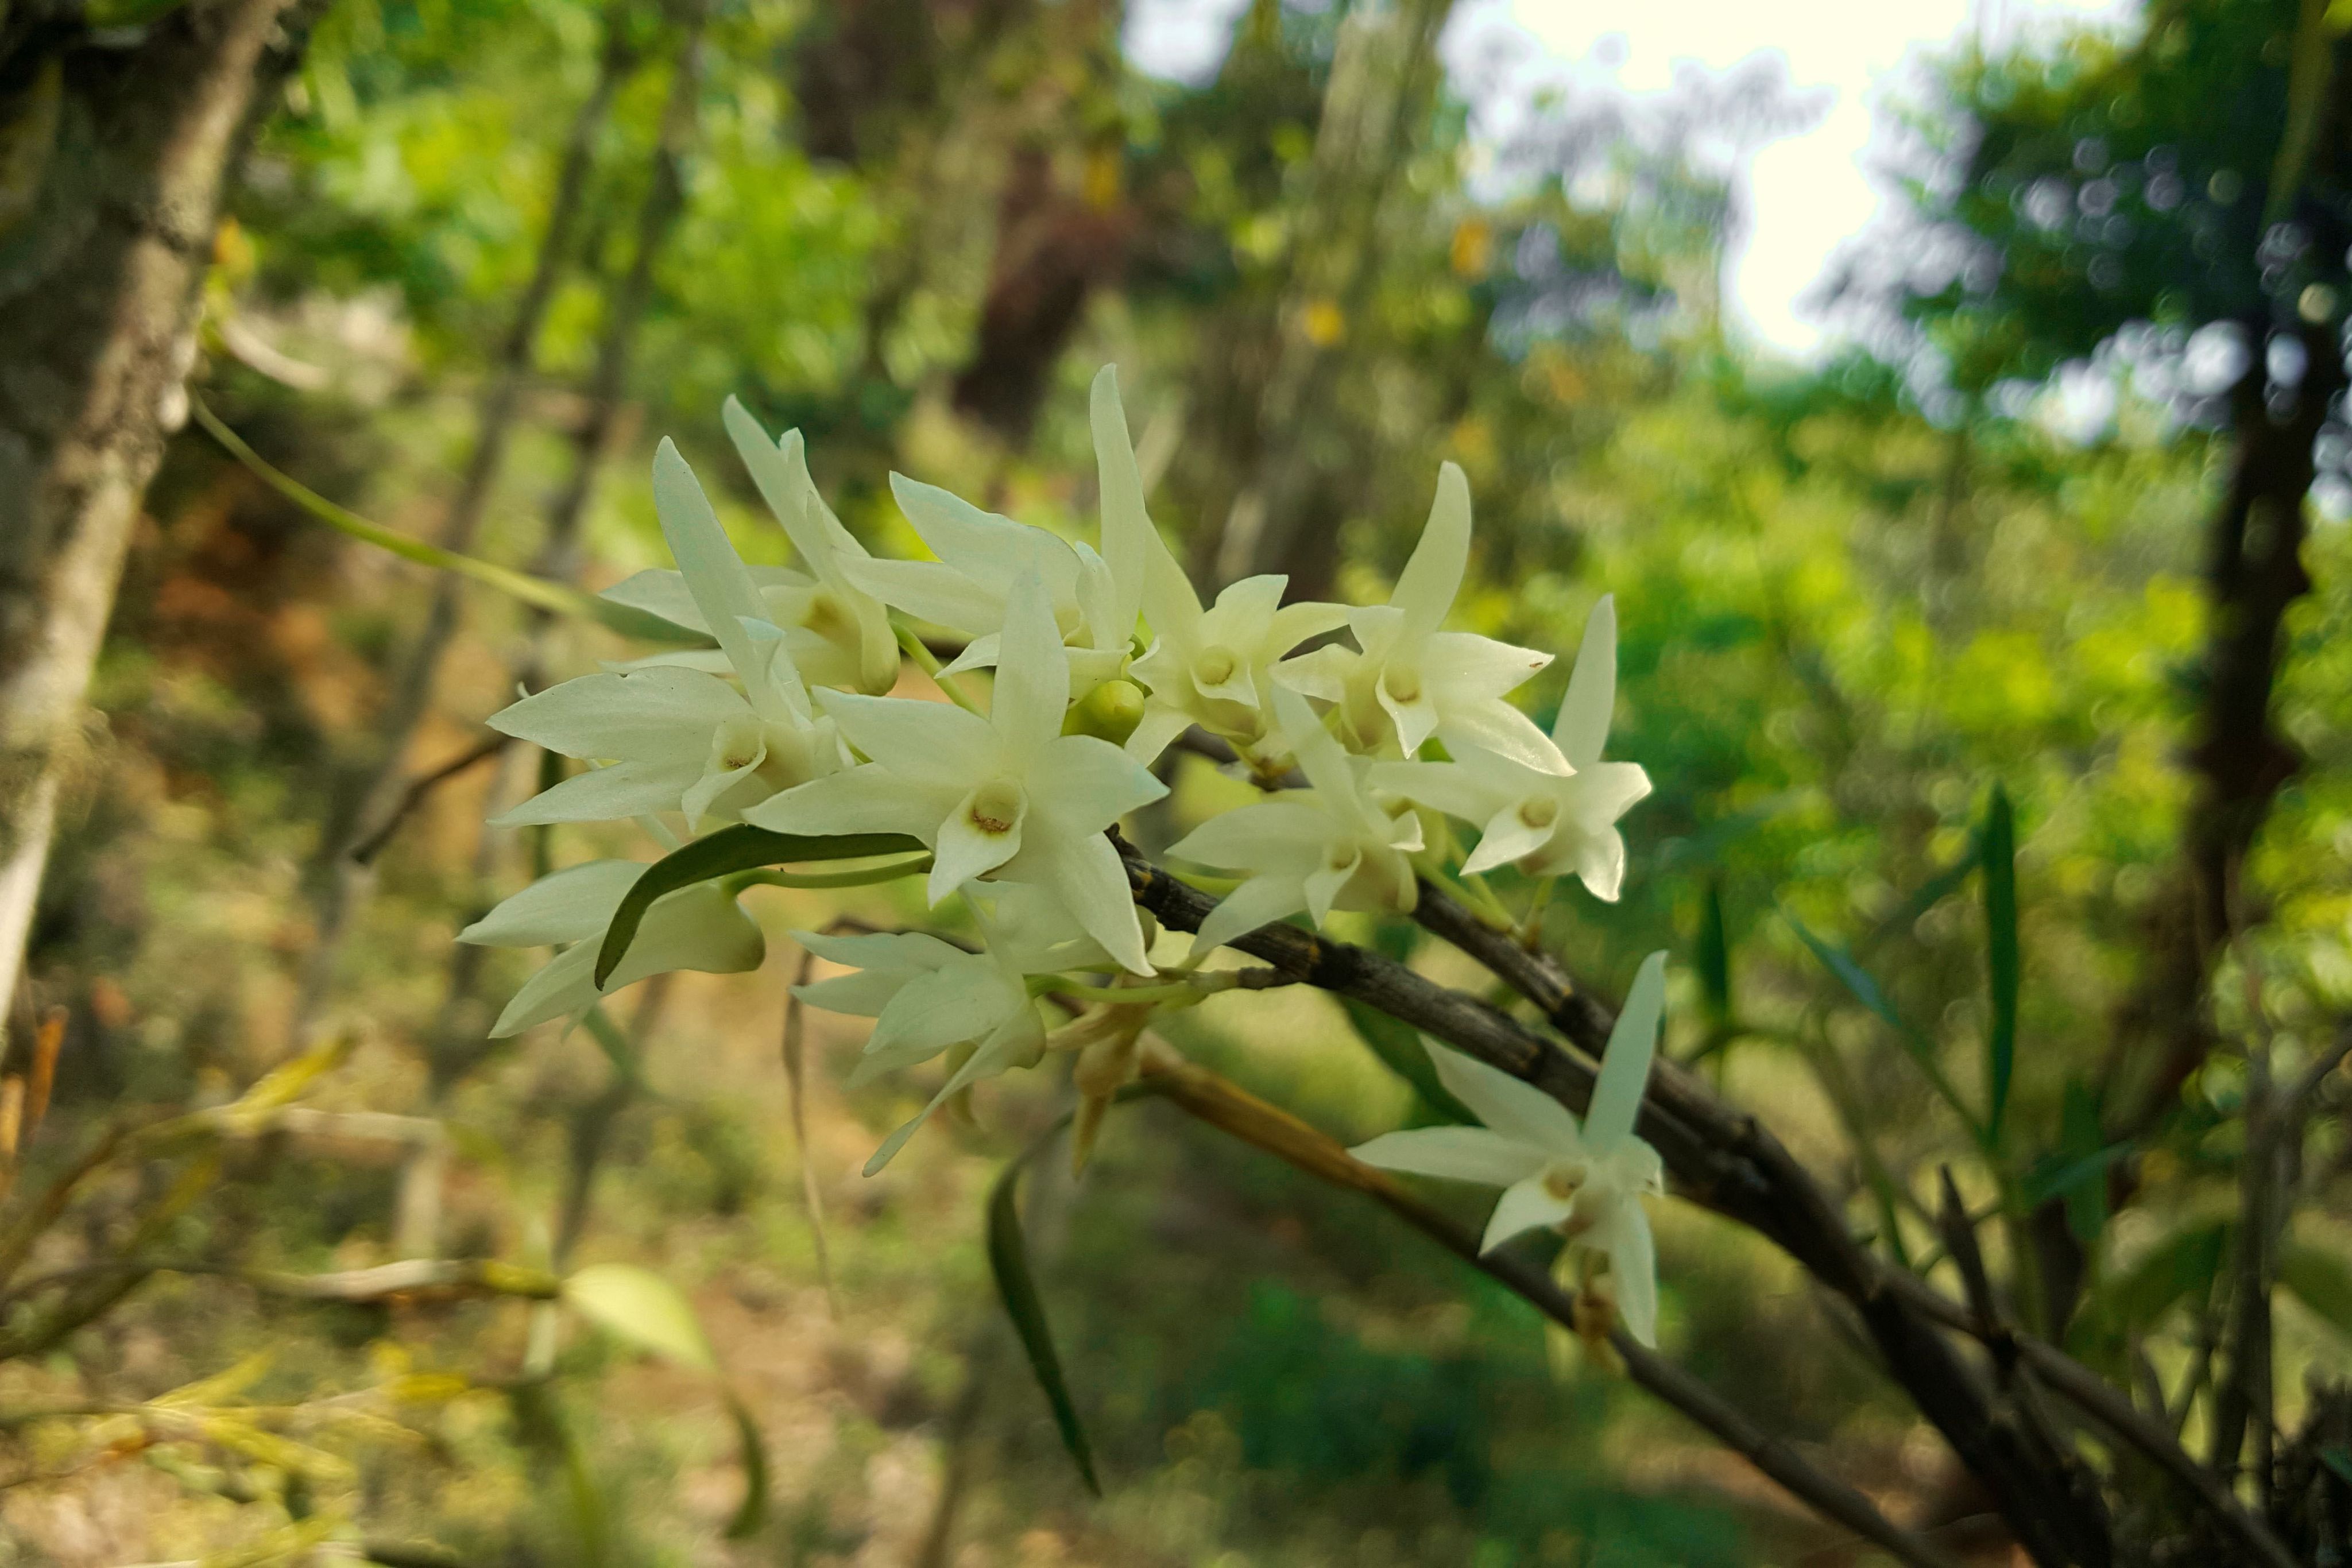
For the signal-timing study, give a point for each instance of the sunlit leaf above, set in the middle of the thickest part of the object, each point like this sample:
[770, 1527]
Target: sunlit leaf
[643, 1308]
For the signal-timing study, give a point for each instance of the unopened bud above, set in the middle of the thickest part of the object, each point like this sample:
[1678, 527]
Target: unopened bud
[1109, 712]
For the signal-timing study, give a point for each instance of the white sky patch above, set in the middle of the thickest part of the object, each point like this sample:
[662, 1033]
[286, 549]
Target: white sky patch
[1802, 197]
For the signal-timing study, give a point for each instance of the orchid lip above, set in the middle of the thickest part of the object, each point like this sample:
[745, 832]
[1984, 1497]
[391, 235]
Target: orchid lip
[997, 806]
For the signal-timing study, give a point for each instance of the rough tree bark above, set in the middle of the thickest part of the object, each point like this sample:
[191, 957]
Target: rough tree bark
[117, 149]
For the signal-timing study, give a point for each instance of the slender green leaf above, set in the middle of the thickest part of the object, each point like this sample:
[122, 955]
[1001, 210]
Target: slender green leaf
[556, 597]
[1856, 979]
[2321, 1280]
[753, 1448]
[1864, 989]
[540, 1415]
[1715, 954]
[642, 1308]
[1930, 894]
[2182, 1264]
[740, 847]
[2079, 1131]
[1398, 1045]
[1008, 1260]
[1997, 845]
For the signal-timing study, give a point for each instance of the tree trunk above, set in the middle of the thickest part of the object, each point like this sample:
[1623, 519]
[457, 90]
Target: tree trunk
[114, 155]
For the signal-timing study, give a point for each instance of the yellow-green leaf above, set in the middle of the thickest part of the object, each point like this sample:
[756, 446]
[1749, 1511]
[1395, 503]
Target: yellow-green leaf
[643, 1308]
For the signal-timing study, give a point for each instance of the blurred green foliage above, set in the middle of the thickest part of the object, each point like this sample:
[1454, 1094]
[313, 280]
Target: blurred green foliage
[1861, 602]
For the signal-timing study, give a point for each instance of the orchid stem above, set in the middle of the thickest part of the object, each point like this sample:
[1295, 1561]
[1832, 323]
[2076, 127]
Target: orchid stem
[928, 663]
[1480, 901]
[1531, 923]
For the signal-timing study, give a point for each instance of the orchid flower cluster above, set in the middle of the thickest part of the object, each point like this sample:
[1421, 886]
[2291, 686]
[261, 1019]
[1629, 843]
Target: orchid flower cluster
[1100, 658]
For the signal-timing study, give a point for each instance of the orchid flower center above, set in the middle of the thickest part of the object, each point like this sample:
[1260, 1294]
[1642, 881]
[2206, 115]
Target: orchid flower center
[996, 806]
[1402, 682]
[825, 616]
[739, 743]
[1539, 811]
[1564, 1178]
[1215, 666]
[1340, 855]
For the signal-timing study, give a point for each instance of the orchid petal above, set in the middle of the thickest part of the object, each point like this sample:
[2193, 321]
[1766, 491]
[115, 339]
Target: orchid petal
[1088, 879]
[965, 850]
[1126, 550]
[1322, 886]
[569, 905]
[1521, 1112]
[1626, 1064]
[1033, 672]
[1455, 1154]
[647, 715]
[723, 590]
[1085, 784]
[1270, 835]
[606, 794]
[1525, 1205]
[1633, 1252]
[1426, 589]
[1582, 726]
[927, 742]
[867, 799]
[1506, 836]
[1260, 901]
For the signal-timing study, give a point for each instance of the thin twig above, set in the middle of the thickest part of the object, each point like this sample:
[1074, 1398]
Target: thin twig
[1226, 1106]
[371, 844]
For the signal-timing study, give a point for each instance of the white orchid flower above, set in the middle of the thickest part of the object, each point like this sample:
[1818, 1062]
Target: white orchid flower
[1329, 846]
[1587, 1181]
[838, 633]
[1552, 820]
[1008, 797]
[699, 927]
[682, 739]
[1406, 680]
[1209, 667]
[926, 995]
[1096, 595]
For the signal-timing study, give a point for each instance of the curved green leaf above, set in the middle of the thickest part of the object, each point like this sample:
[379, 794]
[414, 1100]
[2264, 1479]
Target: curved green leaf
[2002, 963]
[1858, 981]
[754, 1514]
[1008, 1261]
[740, 847]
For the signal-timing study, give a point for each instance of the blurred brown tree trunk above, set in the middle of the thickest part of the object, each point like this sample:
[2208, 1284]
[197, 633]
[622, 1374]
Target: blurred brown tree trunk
[114, 151]
[1384, 79]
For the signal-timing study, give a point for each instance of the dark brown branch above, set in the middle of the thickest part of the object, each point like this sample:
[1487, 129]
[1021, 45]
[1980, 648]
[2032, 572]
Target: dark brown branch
[1717, 1157]
[1698, 1134]
[1233, 1109]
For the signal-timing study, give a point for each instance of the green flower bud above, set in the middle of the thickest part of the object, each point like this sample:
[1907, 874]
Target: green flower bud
[1109, 712]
